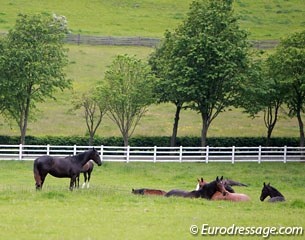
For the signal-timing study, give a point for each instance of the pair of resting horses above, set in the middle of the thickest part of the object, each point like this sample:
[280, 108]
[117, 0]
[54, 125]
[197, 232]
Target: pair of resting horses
[221, 191]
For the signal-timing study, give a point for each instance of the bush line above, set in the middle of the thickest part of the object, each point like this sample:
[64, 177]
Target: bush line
[144, 141]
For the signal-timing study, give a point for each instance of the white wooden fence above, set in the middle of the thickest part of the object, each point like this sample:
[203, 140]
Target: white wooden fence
[161, 154]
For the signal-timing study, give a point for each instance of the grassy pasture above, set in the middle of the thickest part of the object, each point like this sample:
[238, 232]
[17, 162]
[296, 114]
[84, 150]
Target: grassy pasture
[271, 19]
[109, 211]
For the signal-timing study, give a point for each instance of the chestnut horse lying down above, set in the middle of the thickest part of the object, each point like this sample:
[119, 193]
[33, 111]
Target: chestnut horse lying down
[229, 196]
[147, 191]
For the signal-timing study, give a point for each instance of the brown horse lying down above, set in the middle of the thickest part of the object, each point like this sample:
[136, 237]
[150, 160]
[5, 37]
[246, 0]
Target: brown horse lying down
[147, 191]
[229, 196]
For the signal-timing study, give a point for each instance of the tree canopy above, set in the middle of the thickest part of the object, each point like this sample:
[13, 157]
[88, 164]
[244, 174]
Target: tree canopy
[128, 88]
[32, 60]
[205, 59]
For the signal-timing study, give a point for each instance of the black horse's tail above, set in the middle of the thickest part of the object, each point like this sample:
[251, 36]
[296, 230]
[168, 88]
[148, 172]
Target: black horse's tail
[37, 175]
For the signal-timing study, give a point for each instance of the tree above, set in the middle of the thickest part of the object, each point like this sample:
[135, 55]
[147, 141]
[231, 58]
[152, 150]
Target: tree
[168, 87]
[32, 61]
[95, 106]
[128, 87]
[288, 66]
[261, 92]
[209, 54]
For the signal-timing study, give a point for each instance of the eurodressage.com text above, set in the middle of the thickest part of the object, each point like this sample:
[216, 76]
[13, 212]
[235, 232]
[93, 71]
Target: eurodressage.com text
[233, 230]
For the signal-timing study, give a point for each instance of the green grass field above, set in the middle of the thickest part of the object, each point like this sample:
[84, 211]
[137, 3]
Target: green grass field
[108, 210]
[271, 19]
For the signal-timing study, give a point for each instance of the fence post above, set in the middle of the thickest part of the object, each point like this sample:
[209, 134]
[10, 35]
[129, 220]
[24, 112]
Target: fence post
[102, 153]
[127, 154]
[285, 154]
[20, 151]
[180, 154]
[74, 149]
[207, 154]
[233, 154]
[155, 154]
[48, 149]
[259, 154]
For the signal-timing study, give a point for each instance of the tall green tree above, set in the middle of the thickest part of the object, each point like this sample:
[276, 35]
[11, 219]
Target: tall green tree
[128, 88]
[168, 87]
[32, 61]
[209, 57]
[261, 92]
[288, 66]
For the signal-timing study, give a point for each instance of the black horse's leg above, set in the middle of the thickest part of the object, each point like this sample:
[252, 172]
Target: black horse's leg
[77, 181]
[85, 180]
[73, 182]
[42, 177]
[89, 176]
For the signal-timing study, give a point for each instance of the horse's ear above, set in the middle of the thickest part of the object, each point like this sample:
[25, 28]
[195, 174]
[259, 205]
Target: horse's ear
[217, 179]
[201, 179]
[264, 184]
[221, 178]
[269, 184]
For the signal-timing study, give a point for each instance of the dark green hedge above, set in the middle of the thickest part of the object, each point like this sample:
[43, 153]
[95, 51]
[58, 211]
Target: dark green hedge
[153, 141]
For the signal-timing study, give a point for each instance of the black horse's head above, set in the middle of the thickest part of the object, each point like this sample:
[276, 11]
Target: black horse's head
[95, 156]
[265, 191]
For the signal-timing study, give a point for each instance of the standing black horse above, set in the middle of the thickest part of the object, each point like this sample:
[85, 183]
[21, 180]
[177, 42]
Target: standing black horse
[68, 167]
[206, 191]
[86, 170]
[275, 195]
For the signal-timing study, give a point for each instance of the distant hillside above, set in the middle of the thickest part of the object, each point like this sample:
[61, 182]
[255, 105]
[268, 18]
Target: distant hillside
[270, 19]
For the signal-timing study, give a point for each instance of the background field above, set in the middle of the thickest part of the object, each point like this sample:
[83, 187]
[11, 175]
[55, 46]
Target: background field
[109, 211]
[263, 19]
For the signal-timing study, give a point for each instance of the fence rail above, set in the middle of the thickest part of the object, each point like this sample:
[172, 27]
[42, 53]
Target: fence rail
[161, 154]
[143, 41]
[140, 41]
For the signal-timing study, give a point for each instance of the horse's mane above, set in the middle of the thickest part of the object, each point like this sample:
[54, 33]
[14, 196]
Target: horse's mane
[275, 190]
[207, 190]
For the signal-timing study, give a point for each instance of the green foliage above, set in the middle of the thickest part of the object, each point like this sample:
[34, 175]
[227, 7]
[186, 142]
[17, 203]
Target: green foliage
[146, 141]
[32, 65]
[204, 60]
[288, 65]
[127, 88]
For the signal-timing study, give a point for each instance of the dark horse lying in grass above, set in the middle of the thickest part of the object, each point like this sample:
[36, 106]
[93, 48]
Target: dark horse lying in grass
[275, 195]
[67, 167]
[205, 191]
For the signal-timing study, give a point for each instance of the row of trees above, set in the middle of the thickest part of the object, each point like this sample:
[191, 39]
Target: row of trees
[206, 65]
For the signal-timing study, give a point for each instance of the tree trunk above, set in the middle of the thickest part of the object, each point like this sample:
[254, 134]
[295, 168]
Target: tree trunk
[23, 122]
[125, 138]
[301, 128]
[204, 131]
[91, 138]
[175, 126]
